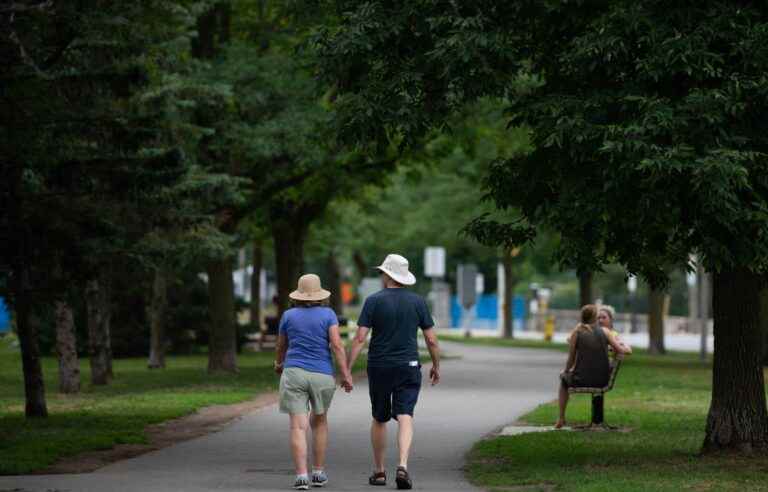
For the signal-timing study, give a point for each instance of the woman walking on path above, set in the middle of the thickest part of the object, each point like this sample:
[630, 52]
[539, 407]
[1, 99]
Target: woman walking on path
[587, 364]
[308, 333]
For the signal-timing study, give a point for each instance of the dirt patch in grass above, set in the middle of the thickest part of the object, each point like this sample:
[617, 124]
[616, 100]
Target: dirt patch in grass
[200, 423]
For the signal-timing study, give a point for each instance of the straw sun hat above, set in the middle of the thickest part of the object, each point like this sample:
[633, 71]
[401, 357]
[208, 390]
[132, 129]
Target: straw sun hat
[396, 267]
[309, 289]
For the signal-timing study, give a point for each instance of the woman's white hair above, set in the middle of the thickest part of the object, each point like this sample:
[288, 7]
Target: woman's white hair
[608, 309]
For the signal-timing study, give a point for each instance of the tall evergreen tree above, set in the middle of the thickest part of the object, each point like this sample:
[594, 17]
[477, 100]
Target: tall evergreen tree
[80, 153]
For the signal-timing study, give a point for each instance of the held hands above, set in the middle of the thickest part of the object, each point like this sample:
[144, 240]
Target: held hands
[346, 382]
[434, 375]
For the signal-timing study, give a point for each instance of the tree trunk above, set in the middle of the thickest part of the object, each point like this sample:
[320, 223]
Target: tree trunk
[157, 308]
[222, 346]
[586, 295]
[360, 265]
[26, 325]
[509, 289]
[289, 258]
[334, 283]
[34, 387]
[738, 418]
[204, 44]
[764, 323]
[66, 349]
[224, 10]
[656, 301]
[99, 339]
[256, 285]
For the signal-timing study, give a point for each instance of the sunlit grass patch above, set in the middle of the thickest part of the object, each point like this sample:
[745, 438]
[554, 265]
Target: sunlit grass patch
[660, 403]
[103, 416]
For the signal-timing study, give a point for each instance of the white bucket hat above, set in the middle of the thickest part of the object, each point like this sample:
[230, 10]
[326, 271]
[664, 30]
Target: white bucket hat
[309, 289]
[396, 267]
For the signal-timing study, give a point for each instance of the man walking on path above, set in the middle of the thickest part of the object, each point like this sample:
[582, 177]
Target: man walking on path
[394, 373]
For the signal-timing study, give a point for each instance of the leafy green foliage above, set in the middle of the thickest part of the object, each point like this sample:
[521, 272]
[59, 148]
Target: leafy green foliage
[442, 176]
[645, 118]
[95, 133]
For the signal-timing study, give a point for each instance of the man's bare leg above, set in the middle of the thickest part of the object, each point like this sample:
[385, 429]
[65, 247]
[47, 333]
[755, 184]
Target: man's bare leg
[379, 443]
[319, 425]
[404, 438]
[299, 426]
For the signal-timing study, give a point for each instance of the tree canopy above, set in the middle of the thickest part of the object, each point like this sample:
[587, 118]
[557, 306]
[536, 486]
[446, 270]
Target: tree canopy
[647, 133]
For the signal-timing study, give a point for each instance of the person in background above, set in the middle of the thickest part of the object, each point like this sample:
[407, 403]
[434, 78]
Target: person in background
[308, 333]
[605, 316]
[587, 365]
[394, 315]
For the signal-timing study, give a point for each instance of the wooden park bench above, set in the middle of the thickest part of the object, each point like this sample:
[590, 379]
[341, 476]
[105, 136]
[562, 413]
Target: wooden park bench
[597, 393]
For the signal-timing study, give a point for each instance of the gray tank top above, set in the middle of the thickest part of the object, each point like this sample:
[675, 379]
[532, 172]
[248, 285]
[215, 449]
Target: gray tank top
[592, 365]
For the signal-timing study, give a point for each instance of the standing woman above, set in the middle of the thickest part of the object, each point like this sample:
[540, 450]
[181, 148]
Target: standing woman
[308, 333]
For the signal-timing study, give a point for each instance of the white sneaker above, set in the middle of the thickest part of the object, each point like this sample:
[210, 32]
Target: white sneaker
[301, 483]
[319, 478]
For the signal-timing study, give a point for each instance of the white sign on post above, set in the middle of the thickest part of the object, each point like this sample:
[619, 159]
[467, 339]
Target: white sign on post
[480, 283]
[632, 284]
[434, 261]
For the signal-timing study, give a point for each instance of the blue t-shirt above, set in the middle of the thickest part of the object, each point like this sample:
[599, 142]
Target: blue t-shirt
[308, 342]
[394, 316]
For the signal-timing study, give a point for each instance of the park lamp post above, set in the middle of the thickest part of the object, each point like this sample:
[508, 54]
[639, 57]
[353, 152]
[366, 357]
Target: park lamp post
[439, 295]
[690, 281]
[533, 305]
[699, 292]
[632, 288]
[466, 287]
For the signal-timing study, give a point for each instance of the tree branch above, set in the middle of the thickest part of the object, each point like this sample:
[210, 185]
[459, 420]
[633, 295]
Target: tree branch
[25, 56]
[20, 7]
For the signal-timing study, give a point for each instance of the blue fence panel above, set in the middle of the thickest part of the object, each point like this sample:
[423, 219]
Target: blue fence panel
[486, 314]
[519, 309]
[5, 317]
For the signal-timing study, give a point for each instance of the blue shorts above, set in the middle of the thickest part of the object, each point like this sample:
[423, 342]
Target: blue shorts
[394, 390]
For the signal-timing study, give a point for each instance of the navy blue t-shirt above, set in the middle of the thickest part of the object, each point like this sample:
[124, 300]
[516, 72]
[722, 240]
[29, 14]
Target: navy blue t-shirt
[308, 341]
[394, 316]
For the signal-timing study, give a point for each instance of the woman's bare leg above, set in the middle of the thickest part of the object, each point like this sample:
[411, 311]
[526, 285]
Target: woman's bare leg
[319, 425]
[563, 403]
[299, 426]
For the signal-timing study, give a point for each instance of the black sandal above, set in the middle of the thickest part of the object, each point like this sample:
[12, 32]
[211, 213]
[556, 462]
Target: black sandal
[402, 479]
[378, 478]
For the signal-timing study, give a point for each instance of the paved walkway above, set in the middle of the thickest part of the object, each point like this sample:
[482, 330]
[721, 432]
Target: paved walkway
[678, 342]
[480, 392]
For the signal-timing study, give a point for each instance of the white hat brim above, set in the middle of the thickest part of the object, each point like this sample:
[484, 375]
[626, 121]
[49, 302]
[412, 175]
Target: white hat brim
[320, 295]
[408, 279]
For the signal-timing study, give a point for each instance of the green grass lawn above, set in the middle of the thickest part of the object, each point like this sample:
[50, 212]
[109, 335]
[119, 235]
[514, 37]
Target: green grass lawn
[100, 417]
[661, 402]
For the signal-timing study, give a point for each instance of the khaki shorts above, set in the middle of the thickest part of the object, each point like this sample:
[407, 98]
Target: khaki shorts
[300, 388]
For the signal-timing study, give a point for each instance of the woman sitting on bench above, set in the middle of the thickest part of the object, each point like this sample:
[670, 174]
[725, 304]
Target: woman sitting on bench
[587, 365]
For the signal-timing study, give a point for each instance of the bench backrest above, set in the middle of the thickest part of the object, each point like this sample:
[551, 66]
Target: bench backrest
[615, 366]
